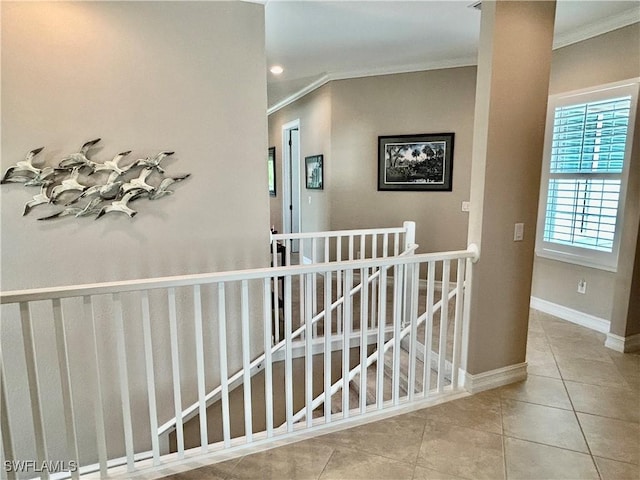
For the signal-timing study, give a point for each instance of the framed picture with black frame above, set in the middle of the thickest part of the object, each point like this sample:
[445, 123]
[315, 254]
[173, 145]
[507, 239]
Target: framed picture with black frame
[271, 168]
[314, 172]
[420, 162]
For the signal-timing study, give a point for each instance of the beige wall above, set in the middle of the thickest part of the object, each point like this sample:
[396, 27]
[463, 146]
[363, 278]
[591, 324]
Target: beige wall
[606, 58]
[76, 71]
[314, 113]
[436, 101]
[611, 57]
[352, 113]
[185, 76]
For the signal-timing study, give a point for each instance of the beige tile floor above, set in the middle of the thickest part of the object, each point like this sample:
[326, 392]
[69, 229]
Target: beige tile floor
[575, 417]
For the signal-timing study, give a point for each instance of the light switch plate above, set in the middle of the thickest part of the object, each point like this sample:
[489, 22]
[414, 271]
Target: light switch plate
[518, 232]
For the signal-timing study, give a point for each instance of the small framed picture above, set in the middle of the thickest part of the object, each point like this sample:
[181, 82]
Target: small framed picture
[421, 162]
[314, 172]
[271, 168]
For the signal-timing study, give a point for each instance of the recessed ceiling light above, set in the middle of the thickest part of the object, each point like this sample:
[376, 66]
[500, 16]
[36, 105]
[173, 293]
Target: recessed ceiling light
[276, 69]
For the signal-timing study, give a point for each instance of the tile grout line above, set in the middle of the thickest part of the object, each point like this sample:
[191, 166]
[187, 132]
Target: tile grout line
[503, 438]
[415, 463]
[229, 475]
[593, 460]
[424, 431]
[333, 451]
[538, 442]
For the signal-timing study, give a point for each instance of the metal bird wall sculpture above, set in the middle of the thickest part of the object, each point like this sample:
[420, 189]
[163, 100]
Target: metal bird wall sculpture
[80, 158]
[85, 187]
[23, 169]
[154, 161]
[41, 198]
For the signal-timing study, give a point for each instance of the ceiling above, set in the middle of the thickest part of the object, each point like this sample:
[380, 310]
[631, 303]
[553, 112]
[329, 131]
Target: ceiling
[319, 41]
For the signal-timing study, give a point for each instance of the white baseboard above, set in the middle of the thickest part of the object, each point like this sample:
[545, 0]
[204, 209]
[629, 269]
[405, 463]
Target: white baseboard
[623, 344]
[494, 378]
[574, 316]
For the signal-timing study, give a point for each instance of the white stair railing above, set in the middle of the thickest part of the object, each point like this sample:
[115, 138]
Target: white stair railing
[404, 235]
[408, 331]
[155, 345]
[336, 246]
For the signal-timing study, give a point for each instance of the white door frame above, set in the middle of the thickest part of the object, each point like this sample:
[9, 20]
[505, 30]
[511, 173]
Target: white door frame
[287, 182]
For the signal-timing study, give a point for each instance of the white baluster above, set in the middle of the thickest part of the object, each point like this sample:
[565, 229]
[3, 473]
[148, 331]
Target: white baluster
[397, 321]
[327, 346]
[382, 316]
[308, 357]
[268, 367]
[413, 272]
[224, 375]
[301, 288]
[428, 327]
[339, 285]
[346, 342]
[444, 325]
[151, 382]
[175, 370]
[98, 406]
[246, 360]
[276, 295]
[124, 381]
[374, 283]
[288, 361]
[65, 385]
[202, 403]
[274, 254]
[314, 297]
[455, 362]
[287, 251]
[326, 249]
[34, 388]
[6, 446]
[364, 317]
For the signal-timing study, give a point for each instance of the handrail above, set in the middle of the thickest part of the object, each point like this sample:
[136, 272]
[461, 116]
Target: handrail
[337, 233]
[38, 294]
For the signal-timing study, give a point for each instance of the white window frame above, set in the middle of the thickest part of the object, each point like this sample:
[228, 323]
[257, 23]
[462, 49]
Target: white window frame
[570, 253]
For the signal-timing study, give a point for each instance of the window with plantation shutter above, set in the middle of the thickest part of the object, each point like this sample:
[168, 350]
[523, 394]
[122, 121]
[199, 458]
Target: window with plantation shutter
[587, 152]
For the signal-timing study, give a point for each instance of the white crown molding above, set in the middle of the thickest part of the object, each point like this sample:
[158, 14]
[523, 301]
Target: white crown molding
[623, 344]
[299, 94]
[622, 19]
[574, 316]
[410, 68]
[371, 72]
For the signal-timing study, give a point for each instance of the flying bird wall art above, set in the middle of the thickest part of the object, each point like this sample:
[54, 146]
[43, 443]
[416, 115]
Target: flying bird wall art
[82, 186]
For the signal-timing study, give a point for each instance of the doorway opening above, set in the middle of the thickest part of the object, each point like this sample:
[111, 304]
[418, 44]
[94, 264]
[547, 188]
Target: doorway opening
[291, 179]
